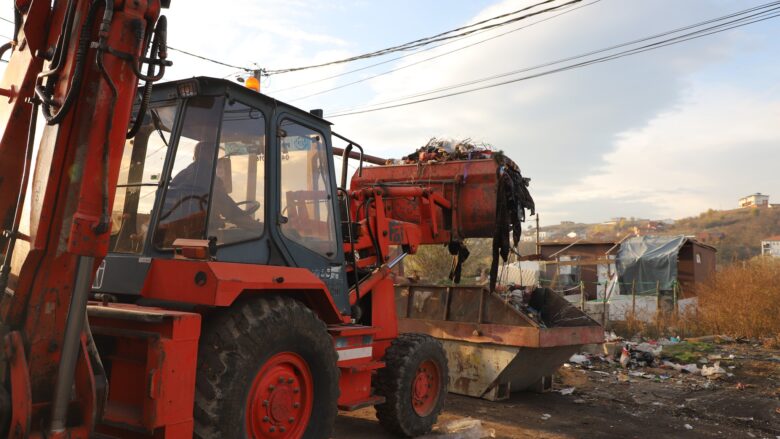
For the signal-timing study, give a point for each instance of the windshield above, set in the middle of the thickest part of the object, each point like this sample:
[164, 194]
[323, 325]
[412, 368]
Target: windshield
[140, 174]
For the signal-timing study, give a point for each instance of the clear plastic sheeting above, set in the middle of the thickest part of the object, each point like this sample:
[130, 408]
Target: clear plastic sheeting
[649, 259]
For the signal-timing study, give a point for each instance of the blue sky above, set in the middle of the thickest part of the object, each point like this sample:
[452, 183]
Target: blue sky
[664, 134]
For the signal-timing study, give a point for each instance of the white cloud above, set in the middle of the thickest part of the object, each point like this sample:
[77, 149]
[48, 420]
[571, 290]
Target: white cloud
[719, 144]
[561, 128]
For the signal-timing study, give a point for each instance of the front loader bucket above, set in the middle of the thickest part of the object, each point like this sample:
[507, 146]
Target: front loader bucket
[493, 348]
[469, 185]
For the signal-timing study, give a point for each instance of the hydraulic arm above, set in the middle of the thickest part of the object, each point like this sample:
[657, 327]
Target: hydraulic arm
[78, 62]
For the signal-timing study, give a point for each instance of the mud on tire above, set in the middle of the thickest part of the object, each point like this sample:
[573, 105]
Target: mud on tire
[272, 335]
[414, 383]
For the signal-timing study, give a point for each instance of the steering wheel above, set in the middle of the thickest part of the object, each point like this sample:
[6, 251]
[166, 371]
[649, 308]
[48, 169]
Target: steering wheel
[252, 206]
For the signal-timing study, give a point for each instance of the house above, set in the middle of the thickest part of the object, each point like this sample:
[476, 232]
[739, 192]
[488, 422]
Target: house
[756, 200]
[771, 246]
[665, 263]
[646, 262]
[569, 263]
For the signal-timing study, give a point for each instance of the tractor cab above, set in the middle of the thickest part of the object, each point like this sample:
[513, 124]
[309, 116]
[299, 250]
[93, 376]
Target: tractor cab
[215, 161]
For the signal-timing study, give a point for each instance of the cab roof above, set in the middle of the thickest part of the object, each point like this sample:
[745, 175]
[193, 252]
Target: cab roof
[207, 86]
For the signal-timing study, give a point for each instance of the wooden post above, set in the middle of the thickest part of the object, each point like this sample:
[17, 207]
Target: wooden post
[582, 296]
[674, 297]
[657, 303]
[633, 298]
[538, 245]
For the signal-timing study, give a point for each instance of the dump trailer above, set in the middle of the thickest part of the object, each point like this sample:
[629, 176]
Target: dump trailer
[492, 344]
[188, 265]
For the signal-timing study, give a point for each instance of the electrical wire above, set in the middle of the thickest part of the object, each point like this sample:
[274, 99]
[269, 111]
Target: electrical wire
[211, 60]
[762, 16]
[435, 38]
[571, 67]
[442, 54]
[559, 61]
[423, 49]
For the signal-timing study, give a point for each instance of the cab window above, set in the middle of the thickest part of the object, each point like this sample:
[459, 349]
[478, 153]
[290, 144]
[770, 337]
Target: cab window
[238, 190]
[185, 207]
[140, 174]
[306, 200]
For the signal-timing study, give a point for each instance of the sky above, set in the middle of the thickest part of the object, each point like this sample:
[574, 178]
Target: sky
[667, 133]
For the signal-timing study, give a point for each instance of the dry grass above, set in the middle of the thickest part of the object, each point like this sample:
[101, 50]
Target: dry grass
[652, 325]
[743, 300]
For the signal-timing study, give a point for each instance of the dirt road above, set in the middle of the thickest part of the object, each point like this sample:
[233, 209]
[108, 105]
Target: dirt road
[611, 403]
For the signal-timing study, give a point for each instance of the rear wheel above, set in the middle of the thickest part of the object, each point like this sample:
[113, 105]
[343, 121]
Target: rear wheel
[414, 383]
[266, 369]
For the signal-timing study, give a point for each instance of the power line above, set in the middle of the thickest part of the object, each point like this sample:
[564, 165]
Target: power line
[571, 58]
[423, 49]
[671, 41]
[7, 20]
[436, 38]
[349, 72]
[211, 60]
[442, 54]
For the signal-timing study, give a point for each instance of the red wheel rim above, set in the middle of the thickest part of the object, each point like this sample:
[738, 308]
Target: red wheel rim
[425, 388]
[281, 398]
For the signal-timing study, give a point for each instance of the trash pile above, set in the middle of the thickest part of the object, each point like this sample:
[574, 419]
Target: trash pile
[688, 357]
[520, 299]
[443, 149]
[513, 197]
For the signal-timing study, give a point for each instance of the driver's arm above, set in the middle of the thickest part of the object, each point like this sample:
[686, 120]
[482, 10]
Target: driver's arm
[227, 208]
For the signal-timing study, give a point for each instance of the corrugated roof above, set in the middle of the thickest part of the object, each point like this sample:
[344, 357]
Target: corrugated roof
[772, 238]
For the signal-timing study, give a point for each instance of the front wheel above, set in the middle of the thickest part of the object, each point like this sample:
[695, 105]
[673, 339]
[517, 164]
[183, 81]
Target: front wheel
[414, 384]
[266, 369]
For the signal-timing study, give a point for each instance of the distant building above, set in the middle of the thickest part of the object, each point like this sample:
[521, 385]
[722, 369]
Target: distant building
[756, 200]
[771, 246]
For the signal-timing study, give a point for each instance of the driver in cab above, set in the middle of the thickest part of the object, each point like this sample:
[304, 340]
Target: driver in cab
[196, 178]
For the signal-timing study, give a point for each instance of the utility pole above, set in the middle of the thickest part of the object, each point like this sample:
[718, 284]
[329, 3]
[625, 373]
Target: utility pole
[538, 247]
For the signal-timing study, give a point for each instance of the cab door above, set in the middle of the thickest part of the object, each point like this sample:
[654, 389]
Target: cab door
[308, 218]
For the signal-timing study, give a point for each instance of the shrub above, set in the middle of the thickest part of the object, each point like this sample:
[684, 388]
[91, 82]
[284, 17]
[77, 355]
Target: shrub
[743, 300]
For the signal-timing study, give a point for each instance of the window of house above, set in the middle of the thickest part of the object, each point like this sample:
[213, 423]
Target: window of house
[306, 200]
[698, 258]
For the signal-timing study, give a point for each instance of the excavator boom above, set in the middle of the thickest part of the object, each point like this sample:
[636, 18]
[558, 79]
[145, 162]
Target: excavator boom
[78, 63]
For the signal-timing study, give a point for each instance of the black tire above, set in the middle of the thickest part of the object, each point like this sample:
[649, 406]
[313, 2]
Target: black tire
[396, 380]
[237, 343]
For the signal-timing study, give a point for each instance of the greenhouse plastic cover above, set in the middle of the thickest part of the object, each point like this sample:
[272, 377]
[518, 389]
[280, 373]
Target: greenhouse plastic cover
[647, 259]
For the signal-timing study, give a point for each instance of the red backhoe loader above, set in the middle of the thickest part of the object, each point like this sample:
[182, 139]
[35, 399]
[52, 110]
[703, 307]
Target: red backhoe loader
[185, 262]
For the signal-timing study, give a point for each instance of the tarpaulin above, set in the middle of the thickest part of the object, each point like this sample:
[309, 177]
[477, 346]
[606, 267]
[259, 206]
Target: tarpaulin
[645, 260]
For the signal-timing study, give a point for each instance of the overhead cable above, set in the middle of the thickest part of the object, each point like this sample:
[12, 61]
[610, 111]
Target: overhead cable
[448, 35]
[211, 60]
[744, 21]
[439, 55]
[765, 8]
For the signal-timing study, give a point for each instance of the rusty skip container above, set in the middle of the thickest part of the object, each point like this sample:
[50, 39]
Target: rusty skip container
[469, 185]
[492, 347]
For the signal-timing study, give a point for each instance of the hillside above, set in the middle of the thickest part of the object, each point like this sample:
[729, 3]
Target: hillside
[742, 230]
[737, 233]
